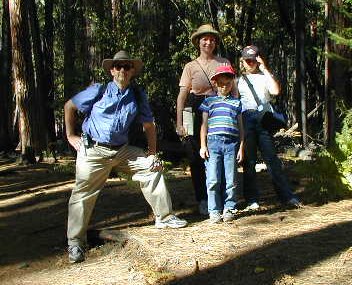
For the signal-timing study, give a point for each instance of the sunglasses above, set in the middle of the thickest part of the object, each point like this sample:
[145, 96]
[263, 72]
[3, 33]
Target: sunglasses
[125, 66]
[250, 61]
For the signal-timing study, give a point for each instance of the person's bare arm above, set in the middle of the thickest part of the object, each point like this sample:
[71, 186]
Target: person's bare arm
[273, 84]
[70, 120]
[240, 153]
[181, 100]
[203, 152]
[150, 132]
[235, 92]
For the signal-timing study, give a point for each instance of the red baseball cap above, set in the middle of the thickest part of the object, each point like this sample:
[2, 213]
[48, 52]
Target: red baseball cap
[223, 69]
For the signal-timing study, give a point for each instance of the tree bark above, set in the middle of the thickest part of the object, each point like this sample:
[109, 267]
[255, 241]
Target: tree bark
[341, 81]
[337, 87]
[40, 128]
[6, 106]
[250, 21]
[48, 57]
[69, 49]
[22, 76]
[300, 70]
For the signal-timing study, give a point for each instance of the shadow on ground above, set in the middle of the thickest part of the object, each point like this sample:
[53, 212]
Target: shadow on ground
[33, 211]
[272, 261]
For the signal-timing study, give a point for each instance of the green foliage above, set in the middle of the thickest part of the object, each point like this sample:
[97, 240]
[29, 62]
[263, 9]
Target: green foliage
[67, 168]
[158, 32]
[344, 143]
[324, 180]
[344, 39]
[342, 36]
[167, 165]
[328, 176]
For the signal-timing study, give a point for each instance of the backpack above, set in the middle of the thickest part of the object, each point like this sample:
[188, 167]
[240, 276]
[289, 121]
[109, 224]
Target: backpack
[136, 136]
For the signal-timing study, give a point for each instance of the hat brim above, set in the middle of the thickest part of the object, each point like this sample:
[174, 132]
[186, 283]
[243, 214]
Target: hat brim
[195, 36]
[137, 65]
[253, 57]
[222, 73]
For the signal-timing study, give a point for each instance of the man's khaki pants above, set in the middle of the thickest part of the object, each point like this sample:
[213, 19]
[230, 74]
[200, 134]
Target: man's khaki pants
[93, 166]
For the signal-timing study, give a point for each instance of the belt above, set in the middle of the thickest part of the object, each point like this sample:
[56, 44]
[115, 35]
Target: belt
[251, 110]
[110, 146]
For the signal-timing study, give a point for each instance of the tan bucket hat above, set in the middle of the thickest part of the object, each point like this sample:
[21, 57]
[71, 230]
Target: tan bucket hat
[123, 56]
[202, 30]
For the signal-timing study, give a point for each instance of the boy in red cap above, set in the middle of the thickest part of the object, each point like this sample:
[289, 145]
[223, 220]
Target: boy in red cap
[222, 145]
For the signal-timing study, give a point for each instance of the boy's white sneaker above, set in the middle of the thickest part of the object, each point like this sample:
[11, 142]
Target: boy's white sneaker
[215, 218]
[229, 215]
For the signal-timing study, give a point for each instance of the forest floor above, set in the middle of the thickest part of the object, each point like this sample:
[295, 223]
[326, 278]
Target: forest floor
[276, 245]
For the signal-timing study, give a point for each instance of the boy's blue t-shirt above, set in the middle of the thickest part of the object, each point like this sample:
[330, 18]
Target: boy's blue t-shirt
[222, 115]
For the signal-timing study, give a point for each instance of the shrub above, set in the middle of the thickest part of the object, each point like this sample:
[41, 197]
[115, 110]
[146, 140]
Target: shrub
[329, 176]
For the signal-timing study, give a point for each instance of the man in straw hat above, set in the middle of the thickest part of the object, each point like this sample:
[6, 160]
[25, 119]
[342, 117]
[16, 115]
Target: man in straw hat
[109, 111]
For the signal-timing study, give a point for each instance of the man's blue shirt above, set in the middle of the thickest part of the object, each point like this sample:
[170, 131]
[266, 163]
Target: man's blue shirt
[108, 117]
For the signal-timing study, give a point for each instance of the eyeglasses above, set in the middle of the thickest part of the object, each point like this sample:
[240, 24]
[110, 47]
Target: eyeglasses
[125, 66]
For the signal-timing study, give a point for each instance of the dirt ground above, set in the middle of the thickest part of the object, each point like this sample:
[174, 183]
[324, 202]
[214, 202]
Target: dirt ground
[275, 245]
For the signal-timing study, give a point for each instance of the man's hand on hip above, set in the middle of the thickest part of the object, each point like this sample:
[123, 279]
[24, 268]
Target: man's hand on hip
[75, 141]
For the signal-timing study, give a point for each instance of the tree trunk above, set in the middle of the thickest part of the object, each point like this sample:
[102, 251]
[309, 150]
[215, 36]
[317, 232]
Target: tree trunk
[6, 109]
[83, 58]
[48, 84]
[250, 21]
[327, 104]
[22, 76]
[40, 128]
[300, 70]
[241, 26]
[341, 69]
[285, 16]
[69, 49]
[337, 87]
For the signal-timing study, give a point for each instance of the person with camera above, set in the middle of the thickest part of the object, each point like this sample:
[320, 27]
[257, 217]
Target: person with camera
[257, 81]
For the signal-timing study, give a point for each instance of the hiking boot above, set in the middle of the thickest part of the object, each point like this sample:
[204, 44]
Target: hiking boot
[229, 215]
[295, 203]
[171, 221]
[75, 254]
[203, 207]
[252, 207]
[215, 218]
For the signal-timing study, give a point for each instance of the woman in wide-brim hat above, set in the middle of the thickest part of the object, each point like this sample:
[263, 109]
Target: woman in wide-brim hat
[204, 30]
[122, 57]
[195, 85]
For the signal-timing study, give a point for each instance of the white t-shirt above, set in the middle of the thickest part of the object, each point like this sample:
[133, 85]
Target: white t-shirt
[260, 85]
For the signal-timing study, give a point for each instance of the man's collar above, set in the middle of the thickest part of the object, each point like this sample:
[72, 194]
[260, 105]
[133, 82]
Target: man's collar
[117, 88]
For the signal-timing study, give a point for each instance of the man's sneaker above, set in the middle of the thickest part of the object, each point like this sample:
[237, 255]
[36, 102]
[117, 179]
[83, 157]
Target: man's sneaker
[229, 215]
[252, 207]
[203, 207]
[75, 254]
[214, 217]
[294, 202]
[171, 221]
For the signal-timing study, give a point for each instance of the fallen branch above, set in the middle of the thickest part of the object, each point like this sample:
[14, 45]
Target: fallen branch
[291, 132]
